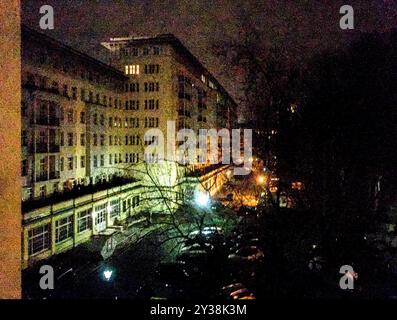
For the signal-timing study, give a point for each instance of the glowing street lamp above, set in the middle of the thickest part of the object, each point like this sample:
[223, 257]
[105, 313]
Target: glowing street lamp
[107, 274]
[261, 179]
[202, 198]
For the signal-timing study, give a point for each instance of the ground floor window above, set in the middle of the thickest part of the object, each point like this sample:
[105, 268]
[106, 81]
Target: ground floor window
[39, 239]
[135, 201]
[63, 229]
[100, 212]
[114, 208]
[84, 220]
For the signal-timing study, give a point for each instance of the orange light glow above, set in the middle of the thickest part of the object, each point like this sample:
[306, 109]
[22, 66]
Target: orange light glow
[261, 179]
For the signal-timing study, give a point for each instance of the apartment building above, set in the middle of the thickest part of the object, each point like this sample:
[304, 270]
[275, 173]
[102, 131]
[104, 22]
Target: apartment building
[167, 82]
[84, 122]
[73, 118]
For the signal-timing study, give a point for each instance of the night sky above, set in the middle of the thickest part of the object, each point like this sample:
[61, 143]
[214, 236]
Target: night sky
[303, 27]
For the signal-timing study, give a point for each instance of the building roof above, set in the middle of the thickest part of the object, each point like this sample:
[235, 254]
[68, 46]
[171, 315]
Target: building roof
[51, 42]
[169, 38]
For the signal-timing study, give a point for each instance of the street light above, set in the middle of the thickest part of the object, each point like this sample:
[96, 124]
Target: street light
[202, 198]
[261, 179]
[107, 274]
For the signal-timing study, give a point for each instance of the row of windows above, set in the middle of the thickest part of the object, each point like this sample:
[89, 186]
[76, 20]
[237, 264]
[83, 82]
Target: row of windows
[152, 68]
[39, 238]
[87, 96]
[71, 162]
[151, 104]
[45, 83]
[132, 140]
[133, 69]
[151, 86]
[99, 140]
[185, 90]
[148, 87]
[105, 100]
[71, 140]
[98, 161]
[132, 87]
[123, 51]
[151, 122]
[132, 105]
[115, 159]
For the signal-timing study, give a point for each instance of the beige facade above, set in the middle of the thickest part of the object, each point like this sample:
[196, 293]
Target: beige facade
[173, 85]
[84, 123]
[71, 106]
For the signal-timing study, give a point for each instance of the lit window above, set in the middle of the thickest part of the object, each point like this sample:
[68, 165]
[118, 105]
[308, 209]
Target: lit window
[132, 69]
[114, 208]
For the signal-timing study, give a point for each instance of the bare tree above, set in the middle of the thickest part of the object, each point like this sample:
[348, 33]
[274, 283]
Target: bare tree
[170, 190]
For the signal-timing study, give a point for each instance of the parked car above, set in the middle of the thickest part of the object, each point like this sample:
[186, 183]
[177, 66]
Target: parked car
[206, 236]
[246, 236]
[242, 294]
[239, 243]
[248, 253]
[196, 246]
[227, 290]
[193, 257]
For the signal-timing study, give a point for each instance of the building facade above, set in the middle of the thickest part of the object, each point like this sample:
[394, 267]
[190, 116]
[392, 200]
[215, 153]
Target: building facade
[167, 83]
[84, 124]
[72, 118]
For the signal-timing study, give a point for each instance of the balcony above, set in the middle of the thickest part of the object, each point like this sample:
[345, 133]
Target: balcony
[51, 90]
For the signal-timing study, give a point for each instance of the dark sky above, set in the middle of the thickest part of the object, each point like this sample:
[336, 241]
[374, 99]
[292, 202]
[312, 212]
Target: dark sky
[308, 26]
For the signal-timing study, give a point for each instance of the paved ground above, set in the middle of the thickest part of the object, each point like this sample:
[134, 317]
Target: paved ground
[132, 266]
